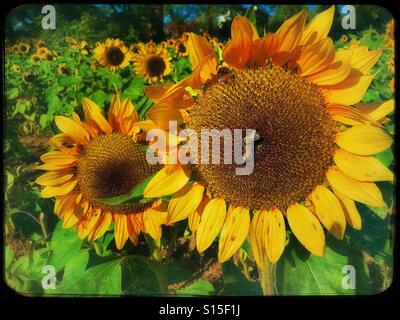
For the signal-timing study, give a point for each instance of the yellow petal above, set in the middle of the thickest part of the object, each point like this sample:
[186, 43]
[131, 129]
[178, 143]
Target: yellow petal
[237, 51]
[350, 115]
[377, 110]
[58, 158]
[318, 28]
[101, 226]
[87, 224]
[164, 112]
[233, 233]
[71, 218]
[349, 91]
[198, 48]
[156, 92]
[290, 32]
[275, 236]
[195, 216]
[133, 227]
[153, 218]
[58, 190]
[363, 139]
[54, 178]
[316, 58]
[94, 116]
[307, 229]
[210, 224]
[364, 192]
[258, 234]
[363, 59]
[72, 129]
[351, 213]
[362, 168]
[329, 211]
[184, 202]
[335, 73]
[120, 230]
[167, 182]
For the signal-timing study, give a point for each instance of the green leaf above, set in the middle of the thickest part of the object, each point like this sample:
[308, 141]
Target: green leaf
[300, 273]
[102, 279]
[136, 195]
[198, 288]
[65, 244]
[99, 97]
[386, 157]
[9, 256]
[75, 268]
[251, 15]
[235, 283]
[66, 81]
[135, 89]
[12, 93]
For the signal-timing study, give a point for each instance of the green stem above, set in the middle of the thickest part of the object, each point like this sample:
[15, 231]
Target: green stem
[267, 278]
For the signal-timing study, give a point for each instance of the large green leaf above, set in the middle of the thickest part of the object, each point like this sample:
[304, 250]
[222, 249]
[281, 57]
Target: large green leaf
[199, 288]
[65, 244]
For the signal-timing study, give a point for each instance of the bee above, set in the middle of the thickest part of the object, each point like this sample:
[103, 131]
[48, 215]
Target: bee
[224, 74]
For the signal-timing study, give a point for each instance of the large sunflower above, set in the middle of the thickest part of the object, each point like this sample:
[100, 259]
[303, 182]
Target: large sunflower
[314, 141]
[95, 159]
[112, 54]
[152, 62]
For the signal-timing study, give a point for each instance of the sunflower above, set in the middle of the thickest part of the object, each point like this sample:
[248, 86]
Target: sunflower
[314, 141]
[28, 78]
[83, 46]
[171, 42]
[15, 48]
[113, 54]
[34, 58]
[134, 48]
[23, 48]
[63, 69]
[152, 62]
[344, 38]
[16, 68]
[181, 48]
[40, 44]
[71, 41]
[43, 53]
[95, 159]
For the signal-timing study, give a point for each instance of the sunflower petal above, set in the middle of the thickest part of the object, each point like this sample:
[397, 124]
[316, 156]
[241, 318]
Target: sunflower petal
[364, 192]
[120, 230]
[258, 232]
[210, 224]
[87, 224]
[167, 181]
[350, 115]
[307, 229]
[54, 178]
[233, 233]
[153, 218]
[329, 211]
[351, 213]
[275, 238]
[318, 28]
[72, 129]
[101, 226]
[363, 139]
[377, 110]
[198, 48]
[362, 168]
[184, 202]
[133, 228]
[94, 116]
[237, 52]
[195, 216]
[164, 112]
[290, 32]
[58, 190]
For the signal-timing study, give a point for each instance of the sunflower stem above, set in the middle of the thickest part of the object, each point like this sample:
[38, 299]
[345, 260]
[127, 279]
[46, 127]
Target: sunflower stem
[267, 278]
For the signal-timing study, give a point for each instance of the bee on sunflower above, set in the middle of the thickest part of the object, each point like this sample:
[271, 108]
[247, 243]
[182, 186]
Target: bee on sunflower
[315, 146]
[112, 54]
[152, 62]
[95, 159]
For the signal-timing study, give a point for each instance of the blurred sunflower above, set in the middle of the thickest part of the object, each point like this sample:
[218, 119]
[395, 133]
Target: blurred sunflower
[113, 54]
[63, 69]
[181, 48]
[391, 85]
[95, 159]
[84, 48]
[171, 42]
[16, 68]
[40, 44]
[28, 78]
[152, 62]
[23, 48]
[43, 53]
[389, 35]
[71, 41]
[343, 38]
[34, 58]
[314, 141]
[15, 48]
[134, 48]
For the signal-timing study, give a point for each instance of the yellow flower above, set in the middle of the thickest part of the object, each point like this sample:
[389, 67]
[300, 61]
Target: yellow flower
[344, 38]
[40, 44]
[181, 48]
[152, 62]
[16, 68]
[43, 53]
[171, 42]
[390, 34]
[83, 46]
[28, 78]
[96, 159]
[24, 48]
[72, 41]
[34, 58]
[113, 54]
[15, 48]
[314, 148]
[63, 69]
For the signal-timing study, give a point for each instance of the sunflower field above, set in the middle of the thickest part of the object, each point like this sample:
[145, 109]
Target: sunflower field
[87, 215]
